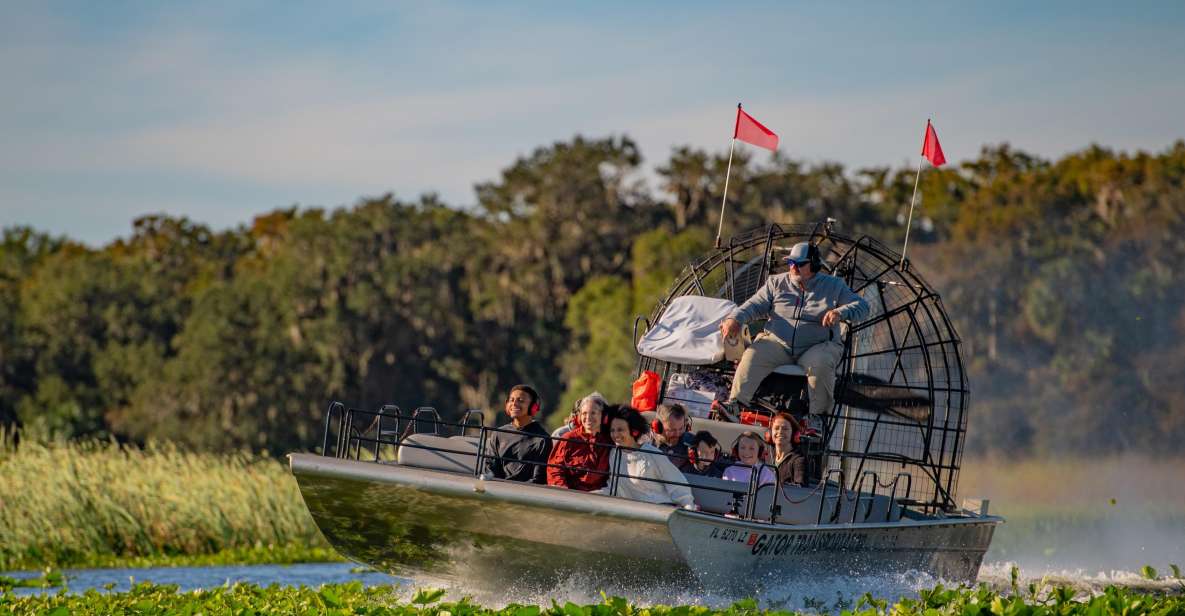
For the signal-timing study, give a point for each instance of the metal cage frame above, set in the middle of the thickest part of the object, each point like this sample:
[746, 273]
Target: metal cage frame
[901, 393]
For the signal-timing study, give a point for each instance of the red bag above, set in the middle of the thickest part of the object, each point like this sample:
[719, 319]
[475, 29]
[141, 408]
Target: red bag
[646, 391]
[755, 418]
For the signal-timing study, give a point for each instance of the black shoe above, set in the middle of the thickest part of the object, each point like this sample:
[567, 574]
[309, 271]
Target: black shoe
[727, 411]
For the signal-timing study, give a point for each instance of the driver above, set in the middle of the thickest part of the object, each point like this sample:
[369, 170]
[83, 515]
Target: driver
[804, 307]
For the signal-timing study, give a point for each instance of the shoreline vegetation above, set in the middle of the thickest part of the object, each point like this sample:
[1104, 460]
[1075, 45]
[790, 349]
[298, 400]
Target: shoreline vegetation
[100, 504]
[354, 598]
[97, 504]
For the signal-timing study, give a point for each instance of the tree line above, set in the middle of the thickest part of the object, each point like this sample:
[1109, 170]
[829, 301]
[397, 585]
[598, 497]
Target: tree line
[1061, 277]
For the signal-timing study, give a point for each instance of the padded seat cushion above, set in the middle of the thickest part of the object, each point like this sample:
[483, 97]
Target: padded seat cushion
[688, 332]
[455, 454]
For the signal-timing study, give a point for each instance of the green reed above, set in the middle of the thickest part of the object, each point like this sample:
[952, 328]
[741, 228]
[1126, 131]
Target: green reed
[99, 503]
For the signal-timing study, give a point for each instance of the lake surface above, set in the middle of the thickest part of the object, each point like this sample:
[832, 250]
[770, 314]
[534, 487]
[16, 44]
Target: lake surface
[833, 594]
[190, 578]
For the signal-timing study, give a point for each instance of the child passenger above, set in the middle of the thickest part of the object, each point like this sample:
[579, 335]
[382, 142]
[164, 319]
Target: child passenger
[705, 455]
[749, 450]
[640, 463]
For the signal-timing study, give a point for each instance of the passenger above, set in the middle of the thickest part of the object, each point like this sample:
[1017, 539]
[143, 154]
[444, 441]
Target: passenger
[570, 422]
[520, 453]
[642, 462]
[706, 458]
[580, 459]
[672, 434]
[804, 307]
[749, 450]
[791, 462]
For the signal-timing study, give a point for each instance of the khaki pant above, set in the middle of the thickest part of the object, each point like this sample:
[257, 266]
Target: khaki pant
[767, 352]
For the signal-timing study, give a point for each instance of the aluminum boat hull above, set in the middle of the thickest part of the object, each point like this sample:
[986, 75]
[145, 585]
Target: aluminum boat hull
[415, 521]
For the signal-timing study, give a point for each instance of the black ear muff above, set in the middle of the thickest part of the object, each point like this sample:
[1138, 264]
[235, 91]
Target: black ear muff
[812, 253]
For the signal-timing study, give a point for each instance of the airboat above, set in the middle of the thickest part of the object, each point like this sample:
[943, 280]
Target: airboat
[403, 492]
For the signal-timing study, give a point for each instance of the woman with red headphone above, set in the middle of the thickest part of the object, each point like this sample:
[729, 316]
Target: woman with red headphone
[784, 433]
[580, 458]
[641, 463]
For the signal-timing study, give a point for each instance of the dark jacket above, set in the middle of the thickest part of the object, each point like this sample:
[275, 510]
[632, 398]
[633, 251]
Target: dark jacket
[715, 469]
[792, 468]
[677, 453]
[589, 457]
[508, 454]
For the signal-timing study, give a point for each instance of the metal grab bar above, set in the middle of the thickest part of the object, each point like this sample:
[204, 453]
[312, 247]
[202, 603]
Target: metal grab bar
[838, 496]
[481, 419]
[340, 409]
[644, 319]
[435, 419]
[893, 494]
[860, 496]
[384, 412]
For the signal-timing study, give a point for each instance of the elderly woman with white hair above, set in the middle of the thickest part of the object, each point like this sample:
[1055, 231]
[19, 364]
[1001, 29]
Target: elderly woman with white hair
[595, 398]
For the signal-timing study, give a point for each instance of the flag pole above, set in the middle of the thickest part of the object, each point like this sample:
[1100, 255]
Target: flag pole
[724, 198]
[909, 221]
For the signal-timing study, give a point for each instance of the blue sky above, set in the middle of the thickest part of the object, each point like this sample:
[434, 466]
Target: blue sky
[222, 111]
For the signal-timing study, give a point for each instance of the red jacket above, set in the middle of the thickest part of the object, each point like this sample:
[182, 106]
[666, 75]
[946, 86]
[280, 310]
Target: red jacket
[591, 456]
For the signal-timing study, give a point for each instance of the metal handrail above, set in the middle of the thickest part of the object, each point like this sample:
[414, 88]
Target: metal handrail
[415, 418]
[339, 408]
[481, 419]
[645, 320]
[354, 442]
[893, 493]
[823, 496]
[860, 496]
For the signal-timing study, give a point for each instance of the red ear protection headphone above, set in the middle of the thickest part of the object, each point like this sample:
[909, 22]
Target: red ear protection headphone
[530, 391]
[656, 427]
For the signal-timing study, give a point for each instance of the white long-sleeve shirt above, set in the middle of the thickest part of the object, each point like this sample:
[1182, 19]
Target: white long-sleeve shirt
[648, 462]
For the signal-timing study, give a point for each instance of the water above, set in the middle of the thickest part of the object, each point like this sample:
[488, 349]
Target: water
[827, 595]
[191, 578]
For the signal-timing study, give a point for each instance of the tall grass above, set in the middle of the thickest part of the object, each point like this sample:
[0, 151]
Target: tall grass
[81, 503]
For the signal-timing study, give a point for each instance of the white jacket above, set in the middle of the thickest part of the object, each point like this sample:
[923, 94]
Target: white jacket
[649, 463]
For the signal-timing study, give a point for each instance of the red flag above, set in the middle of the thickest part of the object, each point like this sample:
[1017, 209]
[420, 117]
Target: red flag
[752, 131]
[930, 147]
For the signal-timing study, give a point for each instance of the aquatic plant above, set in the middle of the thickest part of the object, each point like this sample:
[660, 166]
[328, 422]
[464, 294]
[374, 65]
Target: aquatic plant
[99, 503]
[354, 598]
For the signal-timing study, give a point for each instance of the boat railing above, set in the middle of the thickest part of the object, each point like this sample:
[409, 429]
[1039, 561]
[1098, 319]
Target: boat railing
[389, 429]
[862, 496]
[827, 483]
